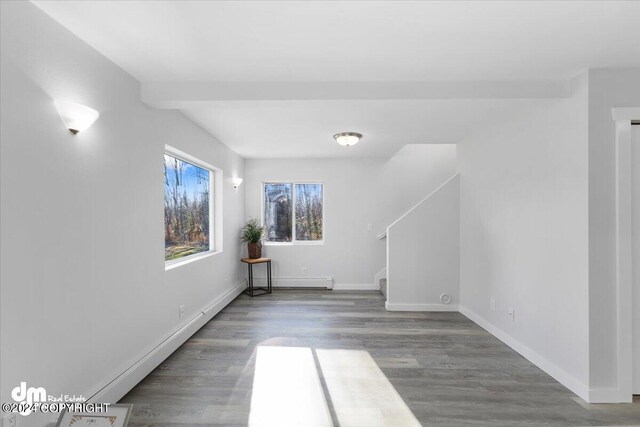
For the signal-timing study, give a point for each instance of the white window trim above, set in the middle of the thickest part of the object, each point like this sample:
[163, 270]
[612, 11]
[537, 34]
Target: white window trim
[293, 241]
[169, 265]
[215, 209]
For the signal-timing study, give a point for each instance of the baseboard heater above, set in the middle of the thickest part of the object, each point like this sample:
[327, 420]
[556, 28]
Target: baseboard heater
[117, 387]
[296, 282]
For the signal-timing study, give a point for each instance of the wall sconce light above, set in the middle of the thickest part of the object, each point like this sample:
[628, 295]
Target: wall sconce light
[236, 182]
[76, 117]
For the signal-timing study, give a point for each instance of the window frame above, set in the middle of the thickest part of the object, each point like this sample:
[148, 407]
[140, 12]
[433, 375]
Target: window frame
[293, 241]
[215, 208]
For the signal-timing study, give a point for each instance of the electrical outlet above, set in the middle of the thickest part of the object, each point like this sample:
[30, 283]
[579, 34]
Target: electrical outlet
[369, 227]
[512, 314]
[492, 303]
[181, 312]
[10, 420]
[304, 269]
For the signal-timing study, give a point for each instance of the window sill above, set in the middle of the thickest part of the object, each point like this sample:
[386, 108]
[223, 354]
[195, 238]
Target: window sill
[296, 243]
[170, 265]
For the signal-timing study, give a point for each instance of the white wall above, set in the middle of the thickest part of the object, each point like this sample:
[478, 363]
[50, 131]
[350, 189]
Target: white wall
[524, 233]
[410, 175]
[351, 253]
[423, 253]
[635, 165]
[607, 89]
[84, 292]
[358, 193]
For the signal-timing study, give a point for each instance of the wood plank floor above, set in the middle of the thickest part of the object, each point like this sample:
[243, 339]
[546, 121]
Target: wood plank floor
[446, 369]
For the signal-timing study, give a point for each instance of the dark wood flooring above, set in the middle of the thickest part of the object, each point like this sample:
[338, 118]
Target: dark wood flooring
[447, 370]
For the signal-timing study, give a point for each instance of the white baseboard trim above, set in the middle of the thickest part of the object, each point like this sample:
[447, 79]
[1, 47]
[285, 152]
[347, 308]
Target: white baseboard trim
[541, 362]
[296, 282]
[314, 282]
[113, 390]
[221, 302]
[356, 287]
[420, 307]
[608, 395]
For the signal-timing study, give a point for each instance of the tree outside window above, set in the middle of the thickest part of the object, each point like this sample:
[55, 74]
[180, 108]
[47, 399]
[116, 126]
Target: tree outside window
[187, 189]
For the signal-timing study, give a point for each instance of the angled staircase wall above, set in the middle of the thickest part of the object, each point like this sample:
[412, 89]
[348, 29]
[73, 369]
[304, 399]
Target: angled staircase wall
[423, 253]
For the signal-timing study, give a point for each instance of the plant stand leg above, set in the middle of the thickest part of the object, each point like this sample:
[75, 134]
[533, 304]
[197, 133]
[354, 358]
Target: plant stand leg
[249, 290]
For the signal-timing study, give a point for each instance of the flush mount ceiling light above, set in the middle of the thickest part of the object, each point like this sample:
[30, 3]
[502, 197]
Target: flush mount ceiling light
[347, 138]
[76, 117]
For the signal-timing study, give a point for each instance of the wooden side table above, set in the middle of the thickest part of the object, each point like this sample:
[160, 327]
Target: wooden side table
[251, 290]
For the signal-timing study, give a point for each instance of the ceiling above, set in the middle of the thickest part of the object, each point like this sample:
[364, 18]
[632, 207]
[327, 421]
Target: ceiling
[354, 41]
[275, 129]
[351, 42]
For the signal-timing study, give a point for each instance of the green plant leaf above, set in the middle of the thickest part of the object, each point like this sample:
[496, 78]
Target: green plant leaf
[252, 231]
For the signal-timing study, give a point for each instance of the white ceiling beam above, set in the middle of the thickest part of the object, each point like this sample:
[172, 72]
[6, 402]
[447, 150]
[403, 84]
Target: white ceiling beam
[184, 95]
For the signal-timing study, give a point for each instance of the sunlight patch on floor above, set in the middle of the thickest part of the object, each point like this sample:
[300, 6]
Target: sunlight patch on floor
[360, 392]
[287, 389]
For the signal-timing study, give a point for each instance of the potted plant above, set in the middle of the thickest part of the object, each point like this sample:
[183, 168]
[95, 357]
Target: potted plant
[251, 234]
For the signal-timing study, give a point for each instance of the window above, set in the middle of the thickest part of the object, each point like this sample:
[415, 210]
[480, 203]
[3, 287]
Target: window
[308, 212]
[293, 212]
[187, 208]
[277, 212]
